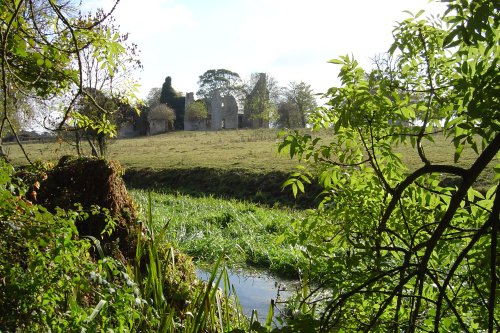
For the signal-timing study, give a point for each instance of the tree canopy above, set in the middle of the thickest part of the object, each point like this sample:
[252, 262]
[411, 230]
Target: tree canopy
[223, 80]
[299, 101]
[173, 99]
[399, 249]
[49, 50]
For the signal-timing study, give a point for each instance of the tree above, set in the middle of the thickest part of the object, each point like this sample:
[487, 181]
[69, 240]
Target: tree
[153, 97]
[302, 96]
[197, 111]
[288, 115]
[104, 87]
[298, 102]
[43, 47]
[19, 110]
[223, 80]
[398, 248]
[174, 100]
[93, 107]
[260, 99]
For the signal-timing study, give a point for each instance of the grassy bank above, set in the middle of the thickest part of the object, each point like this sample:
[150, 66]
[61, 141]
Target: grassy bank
[208, 227]
[242, 184]
[224, 153]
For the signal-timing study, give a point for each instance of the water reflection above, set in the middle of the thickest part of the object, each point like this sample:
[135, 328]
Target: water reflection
[255, 290]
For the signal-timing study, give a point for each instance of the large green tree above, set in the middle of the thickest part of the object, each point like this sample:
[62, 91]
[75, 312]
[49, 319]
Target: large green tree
[223, 80]
[400, 250]
[175, 100]
[260, 97]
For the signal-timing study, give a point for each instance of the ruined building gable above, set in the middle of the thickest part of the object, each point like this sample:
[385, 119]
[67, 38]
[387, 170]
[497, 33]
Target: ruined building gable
[222, 113]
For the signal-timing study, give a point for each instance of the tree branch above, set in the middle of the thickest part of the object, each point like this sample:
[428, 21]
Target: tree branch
[495, 226]
[426, 169]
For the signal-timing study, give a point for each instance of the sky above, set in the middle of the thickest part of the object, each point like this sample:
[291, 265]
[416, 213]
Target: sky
[291, 40]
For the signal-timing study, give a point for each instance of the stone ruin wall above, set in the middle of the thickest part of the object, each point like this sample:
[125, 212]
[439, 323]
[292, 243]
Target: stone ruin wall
[223, 113]
[190, 125]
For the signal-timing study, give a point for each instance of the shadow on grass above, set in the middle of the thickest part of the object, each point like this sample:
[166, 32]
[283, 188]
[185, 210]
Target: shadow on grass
[242, 184]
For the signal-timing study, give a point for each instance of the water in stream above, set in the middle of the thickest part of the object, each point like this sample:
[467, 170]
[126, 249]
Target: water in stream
[256, 290]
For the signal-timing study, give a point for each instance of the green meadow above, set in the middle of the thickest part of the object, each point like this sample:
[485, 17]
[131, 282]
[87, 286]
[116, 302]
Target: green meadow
[251, 150]
[214, 193]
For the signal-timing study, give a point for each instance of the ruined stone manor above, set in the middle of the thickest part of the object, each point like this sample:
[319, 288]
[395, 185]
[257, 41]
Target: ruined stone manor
[223, 112]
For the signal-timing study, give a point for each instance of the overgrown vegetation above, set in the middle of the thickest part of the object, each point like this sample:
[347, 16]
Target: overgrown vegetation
[400, 250]
[51, 283]
[405, 238]
[208, 228]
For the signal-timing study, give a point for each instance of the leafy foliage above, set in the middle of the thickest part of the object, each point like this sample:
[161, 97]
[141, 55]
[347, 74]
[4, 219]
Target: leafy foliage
[400, 250]
[51, 283]
[197, 111]
[174, 100]
[223, 80]
[95, 119]
[162, 112]
[259, 108]
[51, 51]
[299, 101]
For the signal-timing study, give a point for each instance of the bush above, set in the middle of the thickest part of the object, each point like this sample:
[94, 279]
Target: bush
[197, 111]
[49, 281]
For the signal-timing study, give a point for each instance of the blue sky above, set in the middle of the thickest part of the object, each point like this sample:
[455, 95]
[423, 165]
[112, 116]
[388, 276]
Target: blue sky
[291, 40]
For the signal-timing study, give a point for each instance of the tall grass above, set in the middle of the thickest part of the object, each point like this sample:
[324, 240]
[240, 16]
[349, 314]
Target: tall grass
[211, 310]
[244, 233]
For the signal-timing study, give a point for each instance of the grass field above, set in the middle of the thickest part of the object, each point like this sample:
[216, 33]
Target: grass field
[253, 150]
[247, 149]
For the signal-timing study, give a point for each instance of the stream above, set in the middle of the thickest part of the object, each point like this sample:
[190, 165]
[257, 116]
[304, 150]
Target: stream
[255, 290]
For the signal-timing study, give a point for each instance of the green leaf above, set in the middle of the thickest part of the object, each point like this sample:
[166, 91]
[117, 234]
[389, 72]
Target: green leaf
[336, 61]
[294, 189]
[420, 12]
[496, 168]
[300, 185]
[450, 37]
[458, 152]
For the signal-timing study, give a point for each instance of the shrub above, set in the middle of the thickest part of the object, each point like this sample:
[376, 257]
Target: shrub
[49, 281]
[197, 111]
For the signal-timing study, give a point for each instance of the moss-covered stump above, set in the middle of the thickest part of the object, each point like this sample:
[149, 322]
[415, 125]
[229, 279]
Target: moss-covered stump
[178, 275]
[97, 187]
